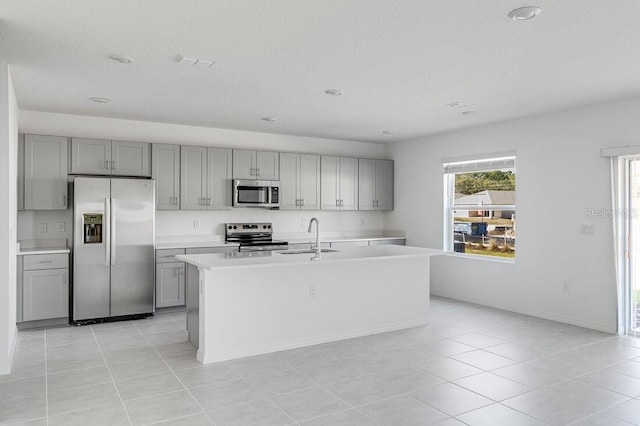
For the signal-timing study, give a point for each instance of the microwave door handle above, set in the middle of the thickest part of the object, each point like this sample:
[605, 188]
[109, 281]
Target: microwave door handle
[113, 231]
[107, 231]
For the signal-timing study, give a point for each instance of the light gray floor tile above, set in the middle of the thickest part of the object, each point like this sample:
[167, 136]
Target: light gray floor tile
[449, 369]
[194, 420]
[407, 379]
[549, 407]
[260, 412]
[206, 375]
[219, 395]
[141, 387]
[629, 368]
[451, 399]
[36, 422]
[497, 414]
[483, 359]
[601, 420]
[138, 368]
[449, 422]
[117, 356]
[69, 338]
[309, 403]
[363, 390]
[277, 382]
[516, 352]
[530, 375]
[492, 386]
[353, 417]
[123, 342]
[74, 362]
[333, 371]
[628, 411]
[108, 415]
[182, 360]
[77, 378]
[260, 364]
[22, 388]
[477, 340]
[23, 369]
[403, 410]
[613, 381]
[22, 409]
[78, 348]
[87, 397]
[578, 392]
[162, 407]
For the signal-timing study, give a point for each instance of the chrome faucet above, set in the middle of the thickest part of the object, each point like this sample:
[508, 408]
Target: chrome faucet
[317, 256]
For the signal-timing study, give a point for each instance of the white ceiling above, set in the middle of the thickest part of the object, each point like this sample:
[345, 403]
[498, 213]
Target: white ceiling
[397, 62]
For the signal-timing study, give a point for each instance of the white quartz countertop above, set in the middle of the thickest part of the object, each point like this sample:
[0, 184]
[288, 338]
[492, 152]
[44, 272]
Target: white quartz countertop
[192, 241]
[277, 258]
[340, 239]
[52, 250]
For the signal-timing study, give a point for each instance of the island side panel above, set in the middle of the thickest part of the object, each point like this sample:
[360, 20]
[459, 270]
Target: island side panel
[259, 310]
[193, 304]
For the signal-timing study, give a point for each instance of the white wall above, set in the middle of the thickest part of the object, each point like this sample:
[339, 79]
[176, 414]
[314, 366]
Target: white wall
[8, 198]
[210, 222]
[560, 175]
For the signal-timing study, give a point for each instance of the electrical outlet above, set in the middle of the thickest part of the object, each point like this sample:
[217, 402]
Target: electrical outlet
[43, 228]
[312, 291]
[196, 224]
[60, 226]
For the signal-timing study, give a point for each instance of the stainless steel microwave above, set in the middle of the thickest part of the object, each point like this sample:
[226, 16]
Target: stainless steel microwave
[256, 193]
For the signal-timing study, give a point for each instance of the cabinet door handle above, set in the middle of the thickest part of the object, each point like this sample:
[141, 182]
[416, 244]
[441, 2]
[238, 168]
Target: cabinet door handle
[64, 200]
[114, 165]
[208, 201]
[257, 172]
[297, 202]
[337, 203]
[106, 164]
[252, 171]
[302, 202]
[46, 261]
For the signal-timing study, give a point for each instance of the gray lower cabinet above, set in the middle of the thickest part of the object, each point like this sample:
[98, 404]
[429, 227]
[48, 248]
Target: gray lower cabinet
[170, 290]
[45, 287]
[170, 276]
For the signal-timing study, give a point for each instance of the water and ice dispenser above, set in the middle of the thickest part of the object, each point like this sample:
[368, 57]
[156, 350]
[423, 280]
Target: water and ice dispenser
[92, 223]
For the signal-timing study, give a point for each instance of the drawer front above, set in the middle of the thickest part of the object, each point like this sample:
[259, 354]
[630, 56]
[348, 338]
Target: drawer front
[208, 250]
[167, 255]
[45, 261]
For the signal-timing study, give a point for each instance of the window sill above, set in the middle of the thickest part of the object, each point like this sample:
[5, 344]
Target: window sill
[480, 257]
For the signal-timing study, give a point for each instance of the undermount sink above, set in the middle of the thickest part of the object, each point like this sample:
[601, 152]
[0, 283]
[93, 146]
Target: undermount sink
[308, 251]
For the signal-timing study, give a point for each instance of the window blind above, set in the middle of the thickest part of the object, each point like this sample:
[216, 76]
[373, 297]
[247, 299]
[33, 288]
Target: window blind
[480, 165]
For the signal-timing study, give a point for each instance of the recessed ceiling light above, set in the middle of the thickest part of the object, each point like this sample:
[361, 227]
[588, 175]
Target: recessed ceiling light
[121, 59]
[269, 119]
[469, 112]
[456, 105]
[333, 92]
[100, 100]
[387, 132]
[524, 13]
[200, 63]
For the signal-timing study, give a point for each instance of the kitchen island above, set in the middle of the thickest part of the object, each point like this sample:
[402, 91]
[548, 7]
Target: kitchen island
[243, 304]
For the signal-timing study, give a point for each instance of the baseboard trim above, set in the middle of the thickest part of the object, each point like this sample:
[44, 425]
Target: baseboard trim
[531, 312]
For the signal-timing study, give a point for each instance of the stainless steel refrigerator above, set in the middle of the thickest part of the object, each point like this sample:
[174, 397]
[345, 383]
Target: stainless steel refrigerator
[113, 250]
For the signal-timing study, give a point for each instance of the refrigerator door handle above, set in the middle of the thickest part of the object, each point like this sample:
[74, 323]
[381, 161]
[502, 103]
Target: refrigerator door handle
[107, 239]
[112, 225]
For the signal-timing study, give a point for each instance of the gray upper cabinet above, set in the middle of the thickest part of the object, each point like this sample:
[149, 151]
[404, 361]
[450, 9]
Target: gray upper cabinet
[205, 178]
[299, 182]
[375, 186]
[45, 172]
[165, 170]
[130, 158]
[104, 157]
[339, 183]
[262, 165]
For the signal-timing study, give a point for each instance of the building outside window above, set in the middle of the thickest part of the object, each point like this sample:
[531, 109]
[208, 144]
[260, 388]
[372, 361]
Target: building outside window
[480, 207]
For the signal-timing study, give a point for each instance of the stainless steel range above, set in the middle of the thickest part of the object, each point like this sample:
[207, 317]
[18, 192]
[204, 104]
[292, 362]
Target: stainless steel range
[253, 236]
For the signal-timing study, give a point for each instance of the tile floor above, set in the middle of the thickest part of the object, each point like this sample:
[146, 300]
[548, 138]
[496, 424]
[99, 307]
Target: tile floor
[473, 365]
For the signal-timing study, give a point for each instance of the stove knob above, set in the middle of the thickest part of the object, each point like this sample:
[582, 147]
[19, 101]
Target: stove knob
[264, 226]
[235, 227]
[230, 226]
[269, 226]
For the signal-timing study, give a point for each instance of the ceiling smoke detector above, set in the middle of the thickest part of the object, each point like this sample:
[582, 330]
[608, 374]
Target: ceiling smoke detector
[333, 92]
[121, 59]
[387, 132]
[524, 13]
[100, 100]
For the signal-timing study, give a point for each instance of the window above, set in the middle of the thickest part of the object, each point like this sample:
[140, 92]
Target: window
[480, 207]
